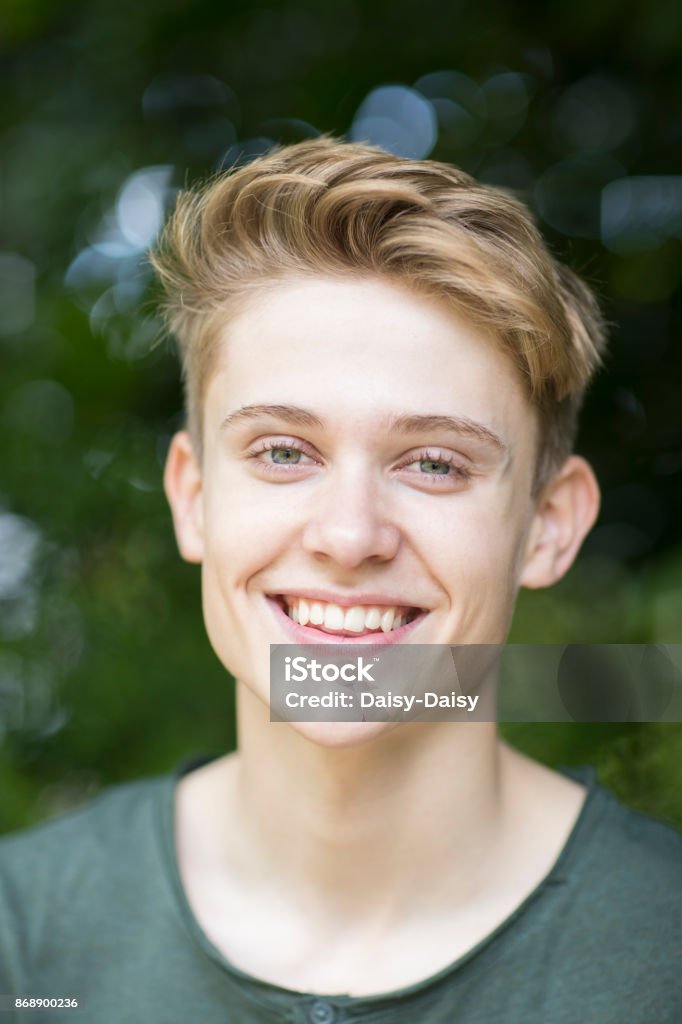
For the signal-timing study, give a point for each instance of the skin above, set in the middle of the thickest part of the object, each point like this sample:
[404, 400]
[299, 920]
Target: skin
[329, 836]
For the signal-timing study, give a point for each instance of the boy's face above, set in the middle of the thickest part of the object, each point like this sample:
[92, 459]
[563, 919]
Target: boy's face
[332, 494]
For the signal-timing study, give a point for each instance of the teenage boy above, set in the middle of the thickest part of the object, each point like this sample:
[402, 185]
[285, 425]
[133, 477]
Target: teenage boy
[383, 369]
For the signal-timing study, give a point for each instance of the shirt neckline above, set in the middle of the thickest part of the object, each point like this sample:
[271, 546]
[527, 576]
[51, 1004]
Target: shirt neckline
[275, 995]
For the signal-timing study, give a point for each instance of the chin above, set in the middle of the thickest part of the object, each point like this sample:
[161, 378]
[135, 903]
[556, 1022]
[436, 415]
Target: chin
[341, 735]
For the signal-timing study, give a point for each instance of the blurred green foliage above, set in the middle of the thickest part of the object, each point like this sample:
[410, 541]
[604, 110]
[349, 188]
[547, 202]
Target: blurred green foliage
[105, 671]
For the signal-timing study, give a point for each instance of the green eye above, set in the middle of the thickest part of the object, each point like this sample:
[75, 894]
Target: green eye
[285, 456]
[434, 467]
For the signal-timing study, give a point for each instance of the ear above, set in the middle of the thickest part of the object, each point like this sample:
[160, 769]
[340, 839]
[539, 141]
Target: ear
[565, 511]
[182, 483]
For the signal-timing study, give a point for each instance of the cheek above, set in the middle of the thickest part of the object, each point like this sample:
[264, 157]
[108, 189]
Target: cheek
[473, 554]
[238, 543]
[474, 536]
[246, 525]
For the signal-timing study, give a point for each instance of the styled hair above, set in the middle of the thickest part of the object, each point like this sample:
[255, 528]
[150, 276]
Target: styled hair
[327, 207]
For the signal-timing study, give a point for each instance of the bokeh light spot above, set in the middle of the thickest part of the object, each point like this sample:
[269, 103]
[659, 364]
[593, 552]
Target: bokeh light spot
[399, 120]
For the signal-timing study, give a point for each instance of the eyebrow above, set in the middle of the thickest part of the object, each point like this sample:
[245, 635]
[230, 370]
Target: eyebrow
[456, 424]
[405, 424]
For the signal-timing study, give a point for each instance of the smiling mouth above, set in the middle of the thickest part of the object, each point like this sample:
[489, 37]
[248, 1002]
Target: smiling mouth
[358, 620]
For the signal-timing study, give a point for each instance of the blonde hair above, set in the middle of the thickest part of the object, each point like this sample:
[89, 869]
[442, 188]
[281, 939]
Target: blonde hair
[327, 207]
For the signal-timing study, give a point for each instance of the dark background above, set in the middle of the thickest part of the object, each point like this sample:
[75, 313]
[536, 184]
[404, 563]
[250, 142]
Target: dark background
[106, 108]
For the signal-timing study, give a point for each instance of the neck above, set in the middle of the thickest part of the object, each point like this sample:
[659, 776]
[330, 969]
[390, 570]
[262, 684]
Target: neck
[385, 817]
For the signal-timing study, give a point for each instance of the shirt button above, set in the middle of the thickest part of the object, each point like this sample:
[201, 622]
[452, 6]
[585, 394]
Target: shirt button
[321, 1013]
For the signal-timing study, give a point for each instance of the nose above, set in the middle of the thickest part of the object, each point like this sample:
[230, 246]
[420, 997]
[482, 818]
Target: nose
[347, 522]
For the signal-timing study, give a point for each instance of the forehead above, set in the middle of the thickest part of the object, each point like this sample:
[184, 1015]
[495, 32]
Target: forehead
[361, 352]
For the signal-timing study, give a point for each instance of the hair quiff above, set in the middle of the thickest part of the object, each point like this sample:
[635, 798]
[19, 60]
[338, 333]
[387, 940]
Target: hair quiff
[326, 207]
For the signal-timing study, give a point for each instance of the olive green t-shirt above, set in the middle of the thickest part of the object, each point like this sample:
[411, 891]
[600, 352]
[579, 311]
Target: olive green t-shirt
[92, 909]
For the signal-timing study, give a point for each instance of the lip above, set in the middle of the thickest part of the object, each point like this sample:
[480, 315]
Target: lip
[309, 635]
[348, 600]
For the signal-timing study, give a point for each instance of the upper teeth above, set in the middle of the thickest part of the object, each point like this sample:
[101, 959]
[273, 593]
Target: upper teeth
[358, 619]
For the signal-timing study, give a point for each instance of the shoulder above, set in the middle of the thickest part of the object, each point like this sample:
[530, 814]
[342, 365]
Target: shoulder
[116, 819]
[621, 877]
[633, 850]
[74, 871]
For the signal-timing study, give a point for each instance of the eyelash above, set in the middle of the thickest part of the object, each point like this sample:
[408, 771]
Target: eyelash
[461, 473]
[458, 471]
